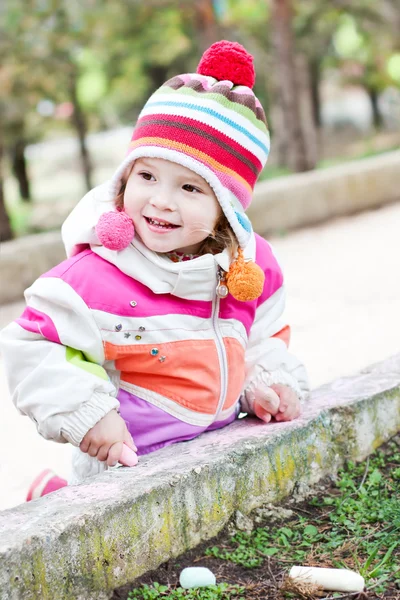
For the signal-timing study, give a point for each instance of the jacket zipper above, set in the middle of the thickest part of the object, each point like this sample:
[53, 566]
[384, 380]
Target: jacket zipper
[221, 292]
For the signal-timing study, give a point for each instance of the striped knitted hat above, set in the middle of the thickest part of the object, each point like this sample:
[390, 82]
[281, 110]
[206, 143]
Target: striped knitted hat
[212, 123]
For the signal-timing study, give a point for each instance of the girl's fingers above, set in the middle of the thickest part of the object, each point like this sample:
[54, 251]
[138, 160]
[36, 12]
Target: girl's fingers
[102, 453]
[114, 454]
[268, 400]
[286, 397]
[262, 413]
[84, 445]
[128, 440]
[292, 412]
[271, 401]
[93, 449]
[280, 417]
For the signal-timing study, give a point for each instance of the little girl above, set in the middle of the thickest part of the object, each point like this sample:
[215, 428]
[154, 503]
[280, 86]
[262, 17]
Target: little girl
[166, 319]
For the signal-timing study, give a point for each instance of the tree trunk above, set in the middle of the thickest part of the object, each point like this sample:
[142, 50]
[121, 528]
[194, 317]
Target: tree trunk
[206, 23]
[20, 170]
[5, 226]
[376, 113]
[279, 137]
[79, 122]
[307, 121]
[315, 80]
[284, 50]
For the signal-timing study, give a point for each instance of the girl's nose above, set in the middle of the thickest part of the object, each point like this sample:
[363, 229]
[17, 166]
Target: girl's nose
[163, 201]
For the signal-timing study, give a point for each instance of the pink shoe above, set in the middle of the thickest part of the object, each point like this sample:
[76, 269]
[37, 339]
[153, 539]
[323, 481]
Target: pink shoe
[45, 483]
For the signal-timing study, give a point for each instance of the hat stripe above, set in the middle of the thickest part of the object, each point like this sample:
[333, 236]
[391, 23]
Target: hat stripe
[199, 145]
[231, 179]
[241, 101]
[204, 138]
[230, 111]
[209, 111]
[216, 124]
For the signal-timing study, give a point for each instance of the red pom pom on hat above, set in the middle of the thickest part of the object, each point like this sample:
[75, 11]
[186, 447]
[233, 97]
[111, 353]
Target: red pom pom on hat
[228, 61]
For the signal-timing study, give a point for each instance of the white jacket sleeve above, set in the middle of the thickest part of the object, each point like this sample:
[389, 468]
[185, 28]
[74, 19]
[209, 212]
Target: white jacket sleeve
[53, 356]
[268, 360]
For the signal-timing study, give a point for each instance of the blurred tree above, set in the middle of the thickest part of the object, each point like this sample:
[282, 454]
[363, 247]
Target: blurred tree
[19, 165]
[141, 45]
[299, 156]
[316, 25]
[340, 33]
[363, 49]
[68, 31]
[107, 57]
[14, 103]
[42, 66]
[5, 226]
[206, 23]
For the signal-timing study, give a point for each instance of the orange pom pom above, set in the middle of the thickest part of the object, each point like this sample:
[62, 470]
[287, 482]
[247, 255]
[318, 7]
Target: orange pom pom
[245, 280]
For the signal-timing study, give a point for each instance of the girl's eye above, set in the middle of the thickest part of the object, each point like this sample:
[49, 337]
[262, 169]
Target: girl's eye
[191, 188]
[146, 176]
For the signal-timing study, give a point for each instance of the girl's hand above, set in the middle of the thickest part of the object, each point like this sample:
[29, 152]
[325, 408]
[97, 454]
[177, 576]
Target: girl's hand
[266, 404]
[289, 403]
[105, 440]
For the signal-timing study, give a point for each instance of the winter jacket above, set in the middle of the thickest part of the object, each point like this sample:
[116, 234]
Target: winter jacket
[135, 331]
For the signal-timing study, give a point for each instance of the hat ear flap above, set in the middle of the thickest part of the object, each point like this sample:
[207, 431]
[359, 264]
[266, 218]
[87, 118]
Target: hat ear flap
[115, 230]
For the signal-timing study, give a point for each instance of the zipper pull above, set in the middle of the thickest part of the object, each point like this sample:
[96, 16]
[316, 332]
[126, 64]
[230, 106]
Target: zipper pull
[222, 288]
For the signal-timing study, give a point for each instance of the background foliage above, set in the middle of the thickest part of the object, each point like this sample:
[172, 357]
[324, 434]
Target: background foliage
[89, 65]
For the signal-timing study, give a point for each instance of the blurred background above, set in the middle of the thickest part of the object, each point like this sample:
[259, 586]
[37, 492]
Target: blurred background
[74, 75]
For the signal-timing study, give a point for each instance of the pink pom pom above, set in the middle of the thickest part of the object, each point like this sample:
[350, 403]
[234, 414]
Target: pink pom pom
[115, 230]
[228, 60]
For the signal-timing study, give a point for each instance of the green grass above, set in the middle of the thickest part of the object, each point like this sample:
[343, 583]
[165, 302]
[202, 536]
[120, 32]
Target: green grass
[355, 525]
[223, 591]
[358, 527]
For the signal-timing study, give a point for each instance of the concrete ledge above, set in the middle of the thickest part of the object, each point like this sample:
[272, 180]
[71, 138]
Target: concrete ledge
[308, 198]
[23, 260]
[84, 541]
[281, 204]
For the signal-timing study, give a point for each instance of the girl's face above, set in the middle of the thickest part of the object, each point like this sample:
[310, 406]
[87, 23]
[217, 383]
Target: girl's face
[172, 208]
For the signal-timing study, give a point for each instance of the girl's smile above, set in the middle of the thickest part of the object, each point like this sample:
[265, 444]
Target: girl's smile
[160, 225]
[171, 207]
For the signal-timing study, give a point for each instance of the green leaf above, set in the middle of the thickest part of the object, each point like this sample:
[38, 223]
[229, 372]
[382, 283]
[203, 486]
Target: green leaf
[271, 551]
[310, 531]
[288, 532]
[375, 477]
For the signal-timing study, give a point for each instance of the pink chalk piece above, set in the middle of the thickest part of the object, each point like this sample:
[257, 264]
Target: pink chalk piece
[128, 457]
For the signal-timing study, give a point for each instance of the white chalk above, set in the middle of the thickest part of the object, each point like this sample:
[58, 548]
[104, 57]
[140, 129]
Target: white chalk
[335, 580]
[193, 577]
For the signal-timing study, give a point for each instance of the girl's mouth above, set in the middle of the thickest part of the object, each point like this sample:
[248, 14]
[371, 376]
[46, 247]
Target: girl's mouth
[160, 224]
